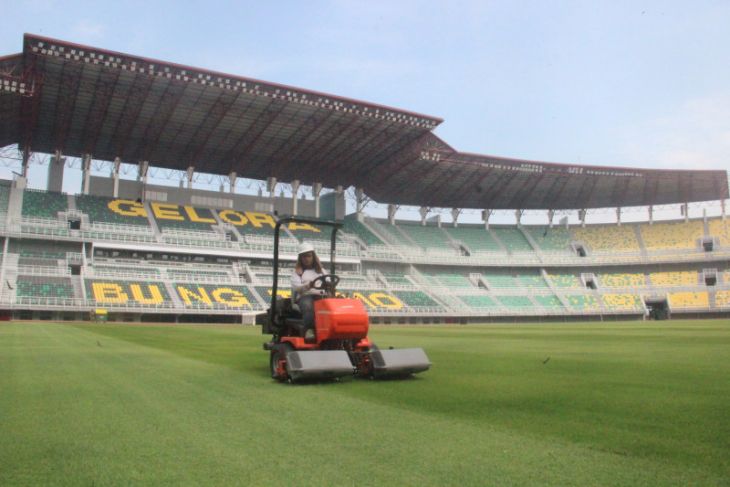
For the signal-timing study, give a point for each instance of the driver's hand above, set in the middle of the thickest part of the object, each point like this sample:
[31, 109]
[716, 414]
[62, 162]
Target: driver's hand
[309, 285]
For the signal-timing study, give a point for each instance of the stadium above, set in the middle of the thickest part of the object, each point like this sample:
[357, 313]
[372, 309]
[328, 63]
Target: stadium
[124, 250]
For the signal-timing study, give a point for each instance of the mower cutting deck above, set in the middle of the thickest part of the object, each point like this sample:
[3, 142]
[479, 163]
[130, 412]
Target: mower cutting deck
[339, 345]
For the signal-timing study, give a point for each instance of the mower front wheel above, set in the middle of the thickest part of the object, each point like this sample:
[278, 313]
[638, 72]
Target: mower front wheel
[277, 361]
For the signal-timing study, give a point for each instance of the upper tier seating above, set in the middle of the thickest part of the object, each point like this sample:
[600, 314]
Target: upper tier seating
[4, 195]
[115, 211]
[622, 280]
[689, 300]
[127, 293]
[683, 278]
[600, 238]
[721, 230]
[182, 217]
[477, 239]
[394, 234]
[354, 227]
[44, 287]
[550, 239]
[513, 239]
[664, 236]
[43, 204]
[621, 302]
[429, 237]
[215, 295]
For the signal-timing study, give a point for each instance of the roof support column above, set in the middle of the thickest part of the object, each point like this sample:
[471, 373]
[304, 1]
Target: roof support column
[618, 216]
[142, 170]
[485, 218]
[232, 178]
[55, 172]
[651, 214]
[359, 201]
[86, 171]
[582, 217]
[115, 177]
[685, 212]
[551, 216]
[271, 186]
[316, 190]
[518, 216]
[294, 197]
[455, 212]
[722, 208]
[25, 163]
[391, 213]
[423, 211]
[190, 173]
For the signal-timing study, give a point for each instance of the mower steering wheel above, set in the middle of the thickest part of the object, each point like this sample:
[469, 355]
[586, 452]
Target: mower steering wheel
[328, 282]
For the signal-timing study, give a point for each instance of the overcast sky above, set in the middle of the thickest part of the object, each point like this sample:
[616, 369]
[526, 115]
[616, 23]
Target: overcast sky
[624, 83]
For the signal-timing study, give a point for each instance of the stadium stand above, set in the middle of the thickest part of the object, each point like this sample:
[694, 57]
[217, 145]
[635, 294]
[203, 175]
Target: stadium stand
[672, 236]
[601, 238]
[556, 239]
[565, 280]
[44, 287]
[671, 279]
[622, 302]
[428, 237]
[583, 302]
[631, 280]
[686, 299]
[114, 211]
[43, 204]
[513, 239]
[720, 229]
[476, 239]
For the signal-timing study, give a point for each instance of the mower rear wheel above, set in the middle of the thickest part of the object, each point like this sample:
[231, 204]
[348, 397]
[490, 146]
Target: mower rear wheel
[277, 361]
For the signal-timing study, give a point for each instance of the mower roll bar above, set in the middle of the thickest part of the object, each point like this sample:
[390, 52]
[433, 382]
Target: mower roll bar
[277, 229]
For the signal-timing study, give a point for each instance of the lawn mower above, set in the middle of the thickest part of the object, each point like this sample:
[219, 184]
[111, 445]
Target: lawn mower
[338, 345]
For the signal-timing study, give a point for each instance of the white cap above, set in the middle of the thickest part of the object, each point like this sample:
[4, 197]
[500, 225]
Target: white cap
[305, 247]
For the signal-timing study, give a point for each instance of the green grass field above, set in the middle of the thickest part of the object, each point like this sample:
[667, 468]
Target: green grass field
[615, 404]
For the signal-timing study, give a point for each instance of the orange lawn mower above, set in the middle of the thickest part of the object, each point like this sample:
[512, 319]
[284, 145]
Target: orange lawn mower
[338, 346]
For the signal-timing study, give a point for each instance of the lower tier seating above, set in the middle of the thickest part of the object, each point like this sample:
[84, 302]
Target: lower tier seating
[682, 300]
[127, 293]
[44, 287]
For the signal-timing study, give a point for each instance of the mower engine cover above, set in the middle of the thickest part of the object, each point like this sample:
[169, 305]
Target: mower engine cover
[340, 318]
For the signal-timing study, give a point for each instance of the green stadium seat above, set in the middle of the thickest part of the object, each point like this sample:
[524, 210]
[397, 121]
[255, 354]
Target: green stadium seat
[513, 239]
[44, 287]
[110, 210]
[43, 204]
[550, 239]
[476, 239]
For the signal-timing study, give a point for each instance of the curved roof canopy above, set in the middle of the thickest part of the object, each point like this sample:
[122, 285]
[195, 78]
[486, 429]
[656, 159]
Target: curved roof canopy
[80, 100]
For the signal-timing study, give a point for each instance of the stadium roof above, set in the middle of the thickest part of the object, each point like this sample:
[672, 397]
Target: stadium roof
[80, 100]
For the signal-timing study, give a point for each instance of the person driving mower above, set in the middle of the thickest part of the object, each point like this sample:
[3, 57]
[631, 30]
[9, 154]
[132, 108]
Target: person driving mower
[304, 294]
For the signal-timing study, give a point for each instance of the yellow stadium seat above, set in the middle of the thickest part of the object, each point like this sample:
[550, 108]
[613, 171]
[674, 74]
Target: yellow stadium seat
[668, 236]
[608, 237]
[689, 300]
